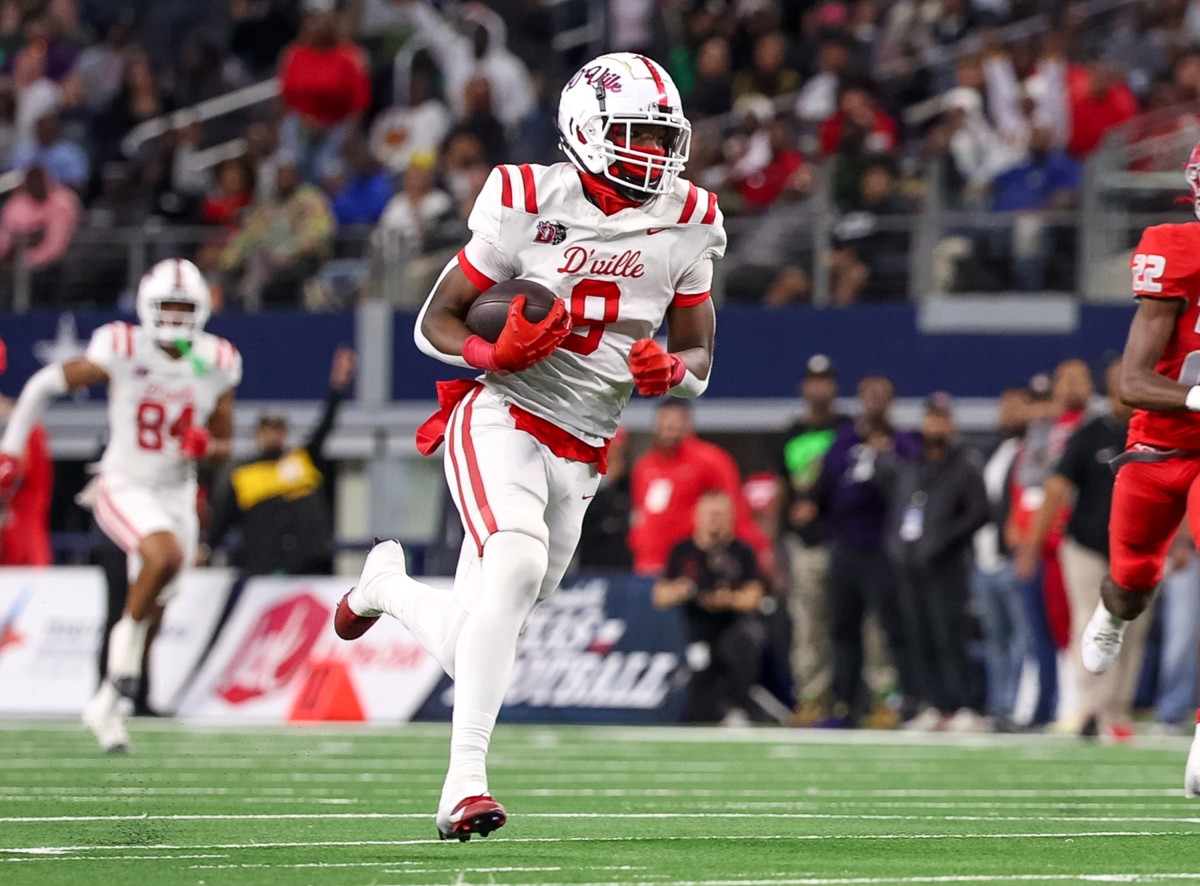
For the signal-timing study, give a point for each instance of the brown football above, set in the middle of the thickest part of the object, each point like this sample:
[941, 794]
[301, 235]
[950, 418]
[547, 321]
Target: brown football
[489, 311]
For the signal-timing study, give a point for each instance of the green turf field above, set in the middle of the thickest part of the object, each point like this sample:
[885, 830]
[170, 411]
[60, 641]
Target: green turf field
[353, 807]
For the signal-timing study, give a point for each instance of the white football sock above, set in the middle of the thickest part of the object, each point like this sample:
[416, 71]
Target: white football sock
[1106, 619]
[430, 614]
[126, 645]
[514, 565]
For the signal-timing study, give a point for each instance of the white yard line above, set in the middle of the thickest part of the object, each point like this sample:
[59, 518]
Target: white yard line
[376, 816]
[64, 853]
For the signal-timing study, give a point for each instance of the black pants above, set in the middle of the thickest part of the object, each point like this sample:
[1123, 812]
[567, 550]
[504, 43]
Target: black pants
[735, 662]
[936, 618]
[858, 580]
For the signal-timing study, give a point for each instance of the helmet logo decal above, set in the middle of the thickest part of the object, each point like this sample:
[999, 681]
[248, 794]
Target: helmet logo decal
[599, 76]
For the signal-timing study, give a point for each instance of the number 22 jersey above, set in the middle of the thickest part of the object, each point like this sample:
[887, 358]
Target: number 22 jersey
[152, 397]
[1166, 264]
[616, 273]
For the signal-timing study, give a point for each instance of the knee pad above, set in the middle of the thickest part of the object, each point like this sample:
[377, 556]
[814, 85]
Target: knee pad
[514, 565]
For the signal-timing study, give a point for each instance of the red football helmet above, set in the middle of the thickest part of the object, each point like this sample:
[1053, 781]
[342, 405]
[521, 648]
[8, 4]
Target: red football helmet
[1191, 171]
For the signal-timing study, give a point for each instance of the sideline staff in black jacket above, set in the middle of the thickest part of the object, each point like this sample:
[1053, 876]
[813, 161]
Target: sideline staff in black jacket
[936, 502]
[279, 499]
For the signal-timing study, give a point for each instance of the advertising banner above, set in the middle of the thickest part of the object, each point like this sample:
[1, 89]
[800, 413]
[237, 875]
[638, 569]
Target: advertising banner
[278, 659]
[596, 651]
[50, 626]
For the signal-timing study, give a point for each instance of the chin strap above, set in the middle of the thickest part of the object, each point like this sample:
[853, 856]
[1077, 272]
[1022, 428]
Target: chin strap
[605, 195]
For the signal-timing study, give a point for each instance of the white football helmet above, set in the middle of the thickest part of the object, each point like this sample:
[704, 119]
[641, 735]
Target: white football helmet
[598, 109]
[1191, 171]
[173, 280]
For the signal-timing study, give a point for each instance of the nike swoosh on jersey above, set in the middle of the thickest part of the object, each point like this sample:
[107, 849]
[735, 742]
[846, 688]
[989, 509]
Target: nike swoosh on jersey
[586, 497]
[655, 230]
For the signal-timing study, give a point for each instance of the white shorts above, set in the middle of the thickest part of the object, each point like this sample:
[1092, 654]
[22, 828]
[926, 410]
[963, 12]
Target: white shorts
[502, 479]
[129, 511]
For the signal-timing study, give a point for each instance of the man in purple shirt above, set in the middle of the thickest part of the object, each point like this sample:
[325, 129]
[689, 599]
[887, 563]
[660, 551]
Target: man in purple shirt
[853, 503]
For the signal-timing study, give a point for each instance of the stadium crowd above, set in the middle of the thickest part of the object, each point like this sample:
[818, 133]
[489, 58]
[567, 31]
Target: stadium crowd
[391, 112]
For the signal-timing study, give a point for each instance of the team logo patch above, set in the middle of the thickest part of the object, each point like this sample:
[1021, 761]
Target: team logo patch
[551, 232]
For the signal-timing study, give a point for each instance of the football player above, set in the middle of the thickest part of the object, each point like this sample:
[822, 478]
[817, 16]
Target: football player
[1158, 475]
[170, 402]
[624, 242]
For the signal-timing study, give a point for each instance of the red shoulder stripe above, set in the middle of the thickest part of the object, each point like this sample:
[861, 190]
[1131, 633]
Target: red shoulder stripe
[479, 280]
[530, 189]
[505, 188]
[689, 299]
[127, 339]
[689, 204]
[712, 209]
[223, 356]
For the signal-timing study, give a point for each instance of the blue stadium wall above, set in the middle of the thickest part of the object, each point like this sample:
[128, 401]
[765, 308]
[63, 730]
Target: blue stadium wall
[759, 353]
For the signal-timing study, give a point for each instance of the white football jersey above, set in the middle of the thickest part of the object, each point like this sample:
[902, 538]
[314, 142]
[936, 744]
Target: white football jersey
[617, 274]
[153, 397]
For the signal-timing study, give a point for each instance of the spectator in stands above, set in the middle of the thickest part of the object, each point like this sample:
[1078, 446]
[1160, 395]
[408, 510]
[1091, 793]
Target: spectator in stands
[418, 122]
[1100, 100]
[8, 127]
[994, 581]
[420, 206]
[231, 194]
[870, 256]
[713, 92]
[101, 66]
[261, 29]
[479, 120]
[365, 188]
[1082, 473]
[326, 90]
[714, 576]
[818, 98]
[42, 215]
[283, 242]
[667, 482]
[602, 542]
[784, 177]
[858, 132]
[936, 503]
[137, 101]
[802, 457]
[281, 499]
[64, 160]
[37, 95]
[768, 74]
[262, 153]
[849, 497]
[464, 169]
[1047, 179]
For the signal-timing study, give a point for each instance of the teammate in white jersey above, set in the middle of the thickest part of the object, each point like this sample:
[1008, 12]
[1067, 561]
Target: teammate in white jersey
[623, 242]
[170, 403]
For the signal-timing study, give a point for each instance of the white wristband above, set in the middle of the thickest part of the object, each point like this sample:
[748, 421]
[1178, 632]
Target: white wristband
[1193, 399]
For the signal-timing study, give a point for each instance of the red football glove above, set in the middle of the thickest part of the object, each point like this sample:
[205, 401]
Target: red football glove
[10, 477]
[194, 441]
[521, 343]
[654, 370]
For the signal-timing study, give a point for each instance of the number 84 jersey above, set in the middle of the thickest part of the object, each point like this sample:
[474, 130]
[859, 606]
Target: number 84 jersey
[1166, 264]
[616, 273]
[152, 397]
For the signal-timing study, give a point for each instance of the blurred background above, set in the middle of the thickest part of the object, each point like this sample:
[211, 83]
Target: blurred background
[931, 204]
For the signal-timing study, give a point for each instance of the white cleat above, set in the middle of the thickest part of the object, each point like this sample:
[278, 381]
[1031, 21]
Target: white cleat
[384, 561]
[108, 725]
[1101, 642]
[1191, 772]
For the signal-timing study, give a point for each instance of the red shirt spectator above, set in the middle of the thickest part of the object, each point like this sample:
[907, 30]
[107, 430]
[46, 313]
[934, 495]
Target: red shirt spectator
[667, 482]
[25, 532]
[325, 79]
[857, 108]
[1099, 101]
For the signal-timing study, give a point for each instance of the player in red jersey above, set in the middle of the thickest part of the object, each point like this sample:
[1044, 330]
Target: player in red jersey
[1158, 475]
